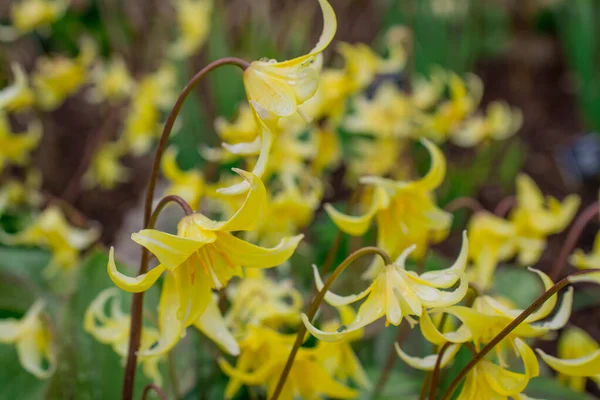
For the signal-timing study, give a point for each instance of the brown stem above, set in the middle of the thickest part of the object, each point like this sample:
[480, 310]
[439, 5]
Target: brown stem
[314, 307]
[509, 328]
[464, 202]
[436, 370]
[138, 298]
[574, 234]
[504, 206]
[390, 361]
[156, 389]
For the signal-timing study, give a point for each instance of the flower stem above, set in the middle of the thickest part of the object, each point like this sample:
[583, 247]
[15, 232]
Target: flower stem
[156, 389]
[138, 298]
[436, 370]
[580, 223]
[314, 307]
[509, 328]
[504, 206]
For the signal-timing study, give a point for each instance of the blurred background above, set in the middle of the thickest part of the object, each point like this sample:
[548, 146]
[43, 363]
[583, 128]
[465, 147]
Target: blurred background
[540, 56]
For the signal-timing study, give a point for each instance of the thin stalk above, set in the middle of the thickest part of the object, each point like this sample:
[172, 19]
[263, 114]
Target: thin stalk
[504, 206]
[509, 328]
[436, 370]
[138, 298]
[573, 237]
[156, 389]
[314, 307]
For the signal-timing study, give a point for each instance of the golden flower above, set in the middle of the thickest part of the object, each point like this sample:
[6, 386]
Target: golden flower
[16, 148]
[111, 81]
[203, 255]
[19, 95]
[189, 185]
[106, 170]
[396, 293]
[33, 340]
[193, 23]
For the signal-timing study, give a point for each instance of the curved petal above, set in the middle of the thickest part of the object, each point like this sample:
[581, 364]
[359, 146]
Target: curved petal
[315, 378]
[401, 260]
[250, 212]
[32, 354]
[170, 250]
[357, 225]
[433, 335]
[108, 333]
[437, 170]
[245, 148]
[587, 365]
[509, 383]
[431, 297]
[428, 363]
[169, 324]
[446, 278]
[560, 318]
[337, 300]
[212, 324]
[240, 252]
[256, 377]
[593, 277]
[138, 284]
[170, 168]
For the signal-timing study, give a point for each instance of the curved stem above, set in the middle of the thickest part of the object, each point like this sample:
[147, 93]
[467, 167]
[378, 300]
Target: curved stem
[156, 389]
[314, 307]
[509, 328]
[580, 223]
[464, 202]
[436, 370]
[138, 298]
[504, 206]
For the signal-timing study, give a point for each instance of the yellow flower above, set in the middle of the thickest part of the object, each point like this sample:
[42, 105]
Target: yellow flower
[243, 129]
[500, 122]
[113, 329]
[578, 359]
[51, 230]
[490, 381]
[388, 114]
[19, 192]
[189, 185]
[155, 92]
[396, 293]
[535, 218]
[19, 95]
[329, 149]
[59, 77]
[28, 15]
[193, 23]
[375, 156]
[262, 359]
[33, 340]
[338, 357]
[106, 170]
[582, 261]
[427, 92]
[489, 316]
[406, 213]
[203, 255]
[492, 241]
[16, 148]
[111, 81]
[280, 87]
[260, 301]
[329, 101]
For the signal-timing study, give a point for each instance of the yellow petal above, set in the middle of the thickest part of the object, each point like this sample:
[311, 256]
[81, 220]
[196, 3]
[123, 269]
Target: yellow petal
[337, 300]
[107, 332]
[10, 329]
[528, 194]
[133, 285]
[593, 277]
[169, 165]
[240, 252]
[256, 377]
[560, 318]
[510, 383]
[446, 278]
[245, 148]
[432, 297]
[250, 212]
[313, 378]
[170, 250]
[587, 365]
[354, 224]
[212, 324]
[33, 355]
[428, 363]
[433, 335]
[169, 325]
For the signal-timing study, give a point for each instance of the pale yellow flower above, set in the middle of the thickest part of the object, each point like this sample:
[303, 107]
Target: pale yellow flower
[500, 122]
[193, 23]
[33, 340]
[189, 185]
[427, 92]
[19, 192]
[106, 170]
[111, 81]
[28, 15]
[329, 149]
[16, 148]
[19, 95]
[586, 261]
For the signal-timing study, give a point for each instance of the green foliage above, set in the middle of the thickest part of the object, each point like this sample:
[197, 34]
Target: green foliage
[544, 387]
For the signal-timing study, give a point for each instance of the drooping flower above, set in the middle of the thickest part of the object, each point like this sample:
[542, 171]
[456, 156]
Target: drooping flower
[203, 255]
[397, 293]
[33, 340]
[51, 230]
[16, 148]
[592, 260]
[189, 185]
[193, 23]
[28, 15]
[21, 192]
[111, 81]
[56, 78]
[536, 217]
[19, 95]
[405, 212]
[389, 114]
[113, 329]
[578, 358]
[106, 170]
[263, 356]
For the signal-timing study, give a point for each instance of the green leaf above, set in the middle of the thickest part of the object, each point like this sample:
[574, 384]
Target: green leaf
[544, 387]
